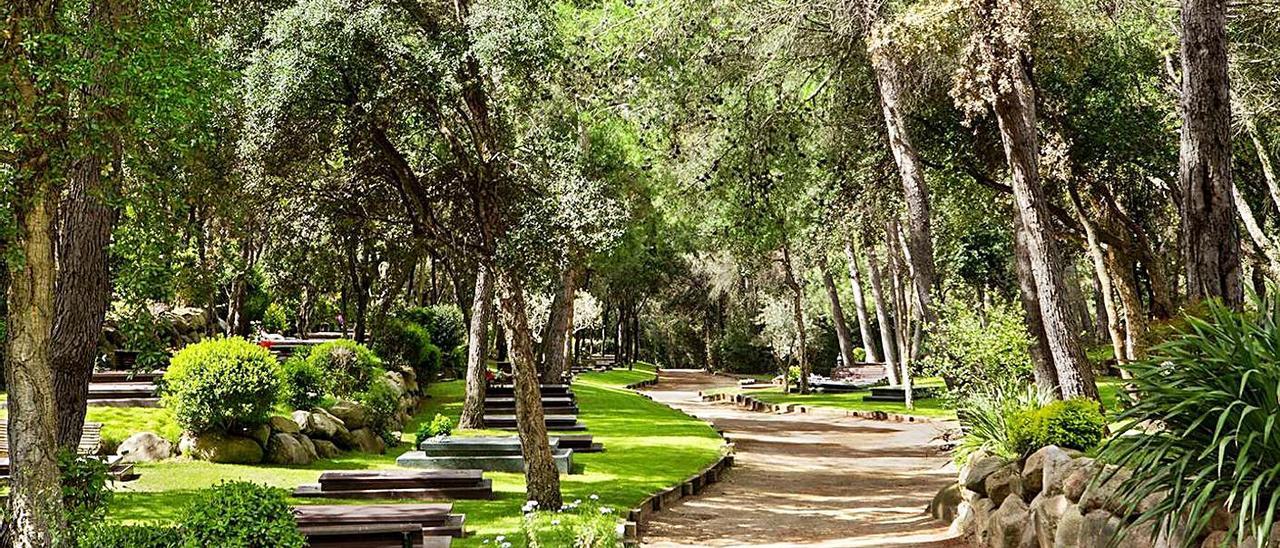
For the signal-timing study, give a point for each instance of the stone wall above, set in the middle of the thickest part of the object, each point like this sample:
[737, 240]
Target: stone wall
[1055, 498]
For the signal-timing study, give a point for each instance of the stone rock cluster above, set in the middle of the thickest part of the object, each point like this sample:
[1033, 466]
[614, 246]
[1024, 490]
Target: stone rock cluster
[1056, 498]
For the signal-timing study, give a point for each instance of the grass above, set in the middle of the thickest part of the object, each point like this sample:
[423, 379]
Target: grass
[649, 447]
[852, 401]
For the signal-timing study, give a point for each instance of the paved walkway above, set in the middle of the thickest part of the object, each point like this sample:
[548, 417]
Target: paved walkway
[806, 479]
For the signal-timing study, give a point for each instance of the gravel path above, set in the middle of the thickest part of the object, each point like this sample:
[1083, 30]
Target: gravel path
[806, 479]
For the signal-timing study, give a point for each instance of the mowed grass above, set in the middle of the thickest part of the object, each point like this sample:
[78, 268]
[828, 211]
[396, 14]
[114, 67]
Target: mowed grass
[649, 447]
[853, 401]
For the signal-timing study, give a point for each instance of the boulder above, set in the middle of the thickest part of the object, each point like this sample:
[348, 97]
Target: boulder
[144, 447]
[975, 471]
[366, 441]
[1005, 481]
[288, 449]
[1075, 484]
[1099, 528]
[1069, 525]
[1033, 472]
[397, 380]
[1010, 526]
[322, 424]
[1057, 472]
[352, 414]
[325, 449]
[1046, 513]
[982, 511]
[945, 503]
[1216, 539]
[963, 524]
[224, 448]
[259, 434]
[1100, 494]
[284, 424]
[308, 445]
[301, 418]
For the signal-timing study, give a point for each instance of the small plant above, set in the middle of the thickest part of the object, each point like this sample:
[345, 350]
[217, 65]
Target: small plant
[243, 515]
[580, 524]
[440, 425]
[302, 384]
[402, 342]
[275, 319]
[1073, 424]
[85, 491]
[382, 399]
[348, 365]
[216, 384]
[118, 535]
[999, 421]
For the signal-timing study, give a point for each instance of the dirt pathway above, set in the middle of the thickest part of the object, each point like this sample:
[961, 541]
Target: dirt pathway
[806, 480]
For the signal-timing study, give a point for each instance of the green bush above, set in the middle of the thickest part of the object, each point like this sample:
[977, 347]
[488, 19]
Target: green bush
[457, 360]
[275, 319]
[581, 524]
[440, 425]
[382, 399]
[432, 362]
[349, 365]
[402, 342]
[999, 420]
[972, 349]
[1200, 423]
[218, 384]
[240, 515]
[302, 384]
[1073, 424]
[85, 492]
[118, 535]
[442, 321]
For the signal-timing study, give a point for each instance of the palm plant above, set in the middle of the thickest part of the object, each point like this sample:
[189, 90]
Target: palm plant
[1199, 432]
[987, 417]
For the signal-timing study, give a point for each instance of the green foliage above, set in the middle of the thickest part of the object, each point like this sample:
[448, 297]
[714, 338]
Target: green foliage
[142, 332]
[999, 421]
[402, 342]
[241, 514]
[382, 399]
[1074, 424]
[440, 425]
[1200, 424]
[85, 492]
[859, 354]
[581, 524]
[275, 319]
[348, 365]
[742, 353]
[118, 535]
[456, 359]
[216, 384]
[302, 384]
[442, 321]
[972, 352]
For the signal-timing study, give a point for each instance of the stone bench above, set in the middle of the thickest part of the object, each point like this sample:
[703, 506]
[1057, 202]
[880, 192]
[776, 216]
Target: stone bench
[400, 484]
[433, 520]
[553, 422]
[497, 454]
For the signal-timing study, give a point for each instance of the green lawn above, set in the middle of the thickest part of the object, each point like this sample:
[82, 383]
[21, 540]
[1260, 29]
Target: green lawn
[852, 401]
[648, 447]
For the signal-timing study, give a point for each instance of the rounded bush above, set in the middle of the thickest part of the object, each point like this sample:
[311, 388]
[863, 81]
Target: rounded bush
[1075, 424]
[302, 384]
[275, 319]
[348, 365]
[403, 343]
[440, 425]
[443, 322]
[117, 535]
[241, 514]
[382, 399]
[217, 384]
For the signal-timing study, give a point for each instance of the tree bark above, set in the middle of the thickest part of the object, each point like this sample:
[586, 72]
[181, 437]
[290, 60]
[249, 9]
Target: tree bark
[478, 349]
[542, 479]
[1135, 316]
[559, 325]
[882, 317]
[837, 312]
[1210, 242]
[1255, 232]
[1102, 274]
[902, 305]
[1014, 105]
[860, 304]
[797, 309]
[1046, 375]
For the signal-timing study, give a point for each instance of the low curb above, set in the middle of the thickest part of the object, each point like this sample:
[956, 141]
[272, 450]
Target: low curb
[750, 402]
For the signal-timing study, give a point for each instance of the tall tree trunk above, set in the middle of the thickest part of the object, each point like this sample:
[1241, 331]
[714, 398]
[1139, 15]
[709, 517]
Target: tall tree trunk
[1076, 297]
[1102, 274]
[860, 303]
[1255, 232]
[542, 479]
[837, 312]
[1099, 310]
[1210, 242]
[797, 311]
[478, 349]
[903, 307]
[1046, 374]
[35, 494]
[1135, 315]
[1014, 105]
[1264, 157]
[559, 325]
[882, 318]
[916, 192]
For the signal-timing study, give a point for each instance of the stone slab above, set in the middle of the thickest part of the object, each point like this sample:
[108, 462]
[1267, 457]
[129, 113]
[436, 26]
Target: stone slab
[493, 463]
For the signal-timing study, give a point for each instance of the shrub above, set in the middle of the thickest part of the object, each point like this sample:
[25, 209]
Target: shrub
[457, 359]
[216, 384]
[1200, 423]
[302, 384]
[432, 362]
[442, 321]
[1074, 424]
[85, 492]
[348, 364]
[977, 350]
[241, 514]
[117, 535]
[579, 524]
[382, 399]
[999, 420]
[275, 319]
[405, 343]
[440, 425]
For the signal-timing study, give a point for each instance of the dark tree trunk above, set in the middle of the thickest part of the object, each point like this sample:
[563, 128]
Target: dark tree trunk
[477, 350]
[542, 479]
[860, 304]
[1041, 357]
[559, 325]
[1210, 242]
[883, 318]
[797, 309]
[837, 312]
[1102, 277]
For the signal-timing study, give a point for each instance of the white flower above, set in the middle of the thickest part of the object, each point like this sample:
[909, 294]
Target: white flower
[606, 510]
[506, 545]
[594, 496]
[577, 502]
[555, 522]
[501, 538]
[485, 541]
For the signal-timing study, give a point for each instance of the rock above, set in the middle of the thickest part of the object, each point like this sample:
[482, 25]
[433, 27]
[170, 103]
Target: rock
[222, 448]
[1010, 525]
[982, 511]
[1033, 472]
[259, 434]
[308, 445]
[1078, 481]
[352, 414]
[365, 441]
[287, 449]
[1069, 525]
[1216, 539]
[144, 447]
[301, 418]
[1099, 527]
[325, 449]
[1057, 472]
[969, 496]
[945, 503]
[963, 524]
[397, 380]
[1138, 536]
[322, 424]
[975, 471]
[1005, 481]
[284, 424]
[1100, 494]
[1046, 513]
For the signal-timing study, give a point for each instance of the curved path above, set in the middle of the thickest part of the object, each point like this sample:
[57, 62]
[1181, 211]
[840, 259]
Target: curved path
[806, 479]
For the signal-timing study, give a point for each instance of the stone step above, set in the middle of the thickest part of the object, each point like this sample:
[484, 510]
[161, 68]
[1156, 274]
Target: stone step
[562, 390]
[579, 443]
[553, 422]
[110, 390]
[124, 376]
[434, 519]
[898, 394]
[498, 462]
[482, 491]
